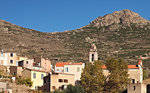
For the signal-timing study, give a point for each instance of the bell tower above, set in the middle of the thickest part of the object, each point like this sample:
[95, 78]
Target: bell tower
[93, 55]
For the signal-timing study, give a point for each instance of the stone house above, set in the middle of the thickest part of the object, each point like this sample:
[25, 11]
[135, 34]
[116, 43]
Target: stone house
[27, 63]
[70, 68]
[45, 64]
[4, 88]
[58, 81]
[16, 71]
[59, 67]
[8, 59]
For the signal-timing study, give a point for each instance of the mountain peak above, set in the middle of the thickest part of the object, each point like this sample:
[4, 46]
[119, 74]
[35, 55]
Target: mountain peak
[124, 17]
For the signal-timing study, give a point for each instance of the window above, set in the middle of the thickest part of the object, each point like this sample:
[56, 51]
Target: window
[34, 75]
[78, 69]
[42, 75]
[134, 87]
[11, 54]
[67, 69]
[133, 81]
[65, 81]
[53, 87]
[26, 62]
[1, 54]
[57, 70]
[92, 57]
[60, 80]
[11, 61]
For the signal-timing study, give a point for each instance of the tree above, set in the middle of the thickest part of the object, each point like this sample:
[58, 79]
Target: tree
[74, 89]
[92, 78]
[71, 89]
[117, 79]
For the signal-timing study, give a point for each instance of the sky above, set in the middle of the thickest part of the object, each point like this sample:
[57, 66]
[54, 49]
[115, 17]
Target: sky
[62, 15]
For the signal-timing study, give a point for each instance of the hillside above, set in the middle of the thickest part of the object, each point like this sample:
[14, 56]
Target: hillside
[122, 34]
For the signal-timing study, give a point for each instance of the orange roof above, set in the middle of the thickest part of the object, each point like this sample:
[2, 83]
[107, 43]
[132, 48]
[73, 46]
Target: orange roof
[132, 66]
[61, 64]
[129, 67]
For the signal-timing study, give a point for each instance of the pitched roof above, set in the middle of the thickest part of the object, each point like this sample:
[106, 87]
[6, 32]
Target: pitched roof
[129, 67]
[61, 64]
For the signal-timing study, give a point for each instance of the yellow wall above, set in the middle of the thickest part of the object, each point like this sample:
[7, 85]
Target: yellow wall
[37, 81]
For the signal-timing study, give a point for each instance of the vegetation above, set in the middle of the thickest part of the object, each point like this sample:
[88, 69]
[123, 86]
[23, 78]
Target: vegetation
[71, 89]
[145, 74]
[92, 78]
[94, 81]
[117, 79]
[22, 81]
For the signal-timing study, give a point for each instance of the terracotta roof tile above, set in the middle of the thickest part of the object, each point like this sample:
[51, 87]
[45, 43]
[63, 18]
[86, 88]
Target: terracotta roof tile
[61, 64]
[129, 67]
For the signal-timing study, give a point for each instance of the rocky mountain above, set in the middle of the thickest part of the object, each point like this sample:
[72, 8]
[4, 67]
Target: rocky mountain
[122, 34]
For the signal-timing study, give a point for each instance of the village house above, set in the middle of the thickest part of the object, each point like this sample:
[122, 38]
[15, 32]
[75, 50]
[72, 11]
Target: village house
[8, 59]
[16, 71]
[70, 68]
[4, 88]
[58, 81]
[45, 64]
[35, 75]
[27, 63]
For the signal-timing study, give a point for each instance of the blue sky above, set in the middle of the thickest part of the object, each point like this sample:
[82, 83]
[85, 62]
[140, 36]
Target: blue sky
[61, 15]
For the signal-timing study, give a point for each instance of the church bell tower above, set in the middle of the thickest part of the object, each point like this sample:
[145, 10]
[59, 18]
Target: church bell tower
[93, 55]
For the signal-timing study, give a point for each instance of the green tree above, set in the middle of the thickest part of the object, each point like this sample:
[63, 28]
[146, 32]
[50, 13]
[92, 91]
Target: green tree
[92, 78]
[74, 89]
[145, 74]
[117, 79]
[71, 89]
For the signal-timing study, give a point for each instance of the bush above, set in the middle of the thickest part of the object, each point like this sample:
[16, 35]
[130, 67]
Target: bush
[27, 82]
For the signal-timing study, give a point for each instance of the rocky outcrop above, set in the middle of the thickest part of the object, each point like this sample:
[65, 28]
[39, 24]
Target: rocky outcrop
[125, 17]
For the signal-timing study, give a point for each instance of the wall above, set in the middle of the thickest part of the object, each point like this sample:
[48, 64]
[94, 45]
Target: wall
[134, 74]
[59, 69]
[3, 86]
[38, 81]
[55, 77]
[136, 88]
[46, 65]
[72, 69]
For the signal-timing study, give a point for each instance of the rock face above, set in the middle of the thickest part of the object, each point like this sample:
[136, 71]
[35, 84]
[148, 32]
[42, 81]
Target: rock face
[125, 17]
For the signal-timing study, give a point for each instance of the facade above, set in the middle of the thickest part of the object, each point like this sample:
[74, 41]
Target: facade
[70, 68]
[27, 63]
[35, 75]
[74, 68]
[16, 71]
[93, 55]
[8, 59]
[59, 67]
[46, 65]
[4, 88]
[58, 81]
